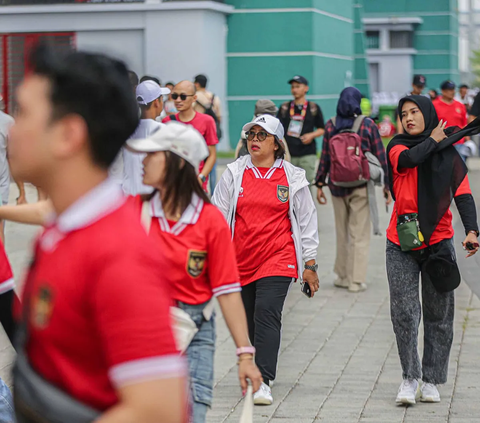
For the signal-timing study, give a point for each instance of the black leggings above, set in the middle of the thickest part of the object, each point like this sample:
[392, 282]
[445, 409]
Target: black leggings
[263, 301]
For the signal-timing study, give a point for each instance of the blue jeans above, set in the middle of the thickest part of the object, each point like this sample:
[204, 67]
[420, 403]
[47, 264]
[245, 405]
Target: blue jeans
[6, 404]
[213, 178]
[200, 354]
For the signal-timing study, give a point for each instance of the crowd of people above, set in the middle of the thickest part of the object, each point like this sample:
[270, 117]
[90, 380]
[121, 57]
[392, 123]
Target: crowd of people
[116, 319]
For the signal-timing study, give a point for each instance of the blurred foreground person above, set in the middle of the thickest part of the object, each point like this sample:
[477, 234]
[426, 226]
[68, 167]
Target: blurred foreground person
[94, 341]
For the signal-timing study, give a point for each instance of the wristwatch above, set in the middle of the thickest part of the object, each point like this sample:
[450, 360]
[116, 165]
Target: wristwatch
[313, 268]
[202, 177]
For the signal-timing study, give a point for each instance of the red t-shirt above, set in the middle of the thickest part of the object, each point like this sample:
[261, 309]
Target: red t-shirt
[204, 124]
[405, 186]
[99, 305]
[455, 114]
[263, 230]
[7, 283]
[198, 249]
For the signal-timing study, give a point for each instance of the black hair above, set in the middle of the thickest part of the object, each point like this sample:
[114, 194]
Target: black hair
[133, 77]
[170, 83]
[180, 183]
[150, 78]
[280, 151]
[145, 107]
[201, 80]
[96, 88]
[464, 86]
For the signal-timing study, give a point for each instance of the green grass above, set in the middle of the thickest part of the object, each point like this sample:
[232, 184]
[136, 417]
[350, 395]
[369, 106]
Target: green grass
[226, 154]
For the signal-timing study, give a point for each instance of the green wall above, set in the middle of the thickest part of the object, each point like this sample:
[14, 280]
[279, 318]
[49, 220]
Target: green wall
[269, 43]
[436, 39]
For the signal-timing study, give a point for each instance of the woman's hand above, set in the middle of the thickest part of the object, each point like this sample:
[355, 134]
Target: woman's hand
[311, 277]
[471, 238]
[438, 133]
[247, 369]
[321, 197]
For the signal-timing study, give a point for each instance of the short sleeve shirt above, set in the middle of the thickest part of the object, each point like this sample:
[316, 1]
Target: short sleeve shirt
[311, 122]
[99, 305]
[198, 249]
[405, 186]
[454, 113]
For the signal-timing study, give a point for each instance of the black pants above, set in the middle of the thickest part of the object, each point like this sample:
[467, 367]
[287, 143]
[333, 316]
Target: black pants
[263, 301]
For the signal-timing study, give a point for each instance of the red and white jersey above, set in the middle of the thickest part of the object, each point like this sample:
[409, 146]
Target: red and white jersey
[7, 283]
[198, 250]
[98, 302]
[263, 230]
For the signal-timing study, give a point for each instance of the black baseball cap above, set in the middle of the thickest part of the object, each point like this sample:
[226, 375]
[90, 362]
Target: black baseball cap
[299, 79]
[448, 85]
[419, 80]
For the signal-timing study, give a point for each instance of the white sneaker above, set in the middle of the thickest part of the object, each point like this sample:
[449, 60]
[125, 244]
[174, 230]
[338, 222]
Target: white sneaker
[429, 393]
[408, 392]
[263, 396]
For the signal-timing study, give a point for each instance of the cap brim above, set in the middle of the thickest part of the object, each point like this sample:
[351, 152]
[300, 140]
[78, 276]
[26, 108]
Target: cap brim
[250, 125]
[145, 145]
[165, 90]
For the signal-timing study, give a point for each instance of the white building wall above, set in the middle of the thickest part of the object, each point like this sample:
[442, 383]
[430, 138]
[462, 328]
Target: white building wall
[173, 41]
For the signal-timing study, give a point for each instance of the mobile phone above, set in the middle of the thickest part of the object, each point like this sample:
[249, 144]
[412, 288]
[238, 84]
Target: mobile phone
[306, 290]
[470, 246]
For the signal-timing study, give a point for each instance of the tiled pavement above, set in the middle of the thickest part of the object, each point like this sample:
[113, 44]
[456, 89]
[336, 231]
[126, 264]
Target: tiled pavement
[338, 359]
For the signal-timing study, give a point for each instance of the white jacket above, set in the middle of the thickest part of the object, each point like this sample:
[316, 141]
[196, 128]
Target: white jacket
[302, 213]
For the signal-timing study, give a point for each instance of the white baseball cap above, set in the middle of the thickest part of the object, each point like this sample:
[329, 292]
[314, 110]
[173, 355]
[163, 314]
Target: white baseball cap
[270, 123]
[149, 91]
[183, 140]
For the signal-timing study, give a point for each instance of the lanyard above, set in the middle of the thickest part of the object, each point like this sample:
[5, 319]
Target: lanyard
[303, 113]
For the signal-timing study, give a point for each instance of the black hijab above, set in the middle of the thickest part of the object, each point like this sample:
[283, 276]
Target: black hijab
[442, 173]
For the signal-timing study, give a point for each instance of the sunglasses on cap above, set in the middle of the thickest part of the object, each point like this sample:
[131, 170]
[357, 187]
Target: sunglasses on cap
[261, 135]
[183, 97]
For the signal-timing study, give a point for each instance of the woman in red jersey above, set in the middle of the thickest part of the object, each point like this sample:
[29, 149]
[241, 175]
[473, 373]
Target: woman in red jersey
[195, 240]
[426, 173]
[273, 221]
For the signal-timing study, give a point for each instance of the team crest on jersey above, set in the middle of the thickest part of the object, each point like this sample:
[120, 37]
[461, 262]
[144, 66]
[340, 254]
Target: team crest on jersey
[282, 193]
[196, 263]
[42, 308]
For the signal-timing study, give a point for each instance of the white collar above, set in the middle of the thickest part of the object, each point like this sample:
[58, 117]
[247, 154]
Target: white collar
[277, 165]
[102, 200]
[189, 217]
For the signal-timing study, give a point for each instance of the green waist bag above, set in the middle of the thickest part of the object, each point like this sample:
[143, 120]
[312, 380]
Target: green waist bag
[409, 233]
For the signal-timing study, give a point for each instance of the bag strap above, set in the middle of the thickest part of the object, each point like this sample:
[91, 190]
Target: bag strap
[146, 217]
[356, 124]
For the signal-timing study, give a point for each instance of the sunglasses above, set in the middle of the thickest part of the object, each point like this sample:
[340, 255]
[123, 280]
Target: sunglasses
[183, 97]
[261, 135]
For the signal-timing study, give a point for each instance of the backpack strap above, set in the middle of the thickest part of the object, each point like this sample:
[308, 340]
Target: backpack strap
[356, 124]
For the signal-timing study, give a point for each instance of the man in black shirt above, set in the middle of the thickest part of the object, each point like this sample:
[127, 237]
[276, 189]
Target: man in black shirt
[303, 122]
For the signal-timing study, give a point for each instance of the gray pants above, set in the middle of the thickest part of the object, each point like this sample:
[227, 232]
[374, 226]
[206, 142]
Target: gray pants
[403, 271]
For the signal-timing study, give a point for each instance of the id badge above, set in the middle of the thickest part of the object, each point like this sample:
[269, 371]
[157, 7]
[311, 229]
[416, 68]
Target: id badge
[295, 128]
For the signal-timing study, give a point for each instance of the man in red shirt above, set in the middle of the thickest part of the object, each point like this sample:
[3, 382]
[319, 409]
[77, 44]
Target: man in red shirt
[95, 318]
[184, 96]
[451, 111]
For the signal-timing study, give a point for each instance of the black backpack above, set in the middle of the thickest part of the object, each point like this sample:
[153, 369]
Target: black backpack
[210, 112]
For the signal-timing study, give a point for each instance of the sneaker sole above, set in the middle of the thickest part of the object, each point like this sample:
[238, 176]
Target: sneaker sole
[429, 399]
[262, 401]
[405, 401]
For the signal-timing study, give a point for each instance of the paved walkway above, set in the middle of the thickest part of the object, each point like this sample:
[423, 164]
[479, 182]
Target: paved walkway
[338, 359]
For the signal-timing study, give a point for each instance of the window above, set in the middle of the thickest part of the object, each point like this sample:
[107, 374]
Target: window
[373, 39]
[401, 39]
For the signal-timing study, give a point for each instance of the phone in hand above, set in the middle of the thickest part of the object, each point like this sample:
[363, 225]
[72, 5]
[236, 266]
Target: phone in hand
[470, 246]
[306, 290]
